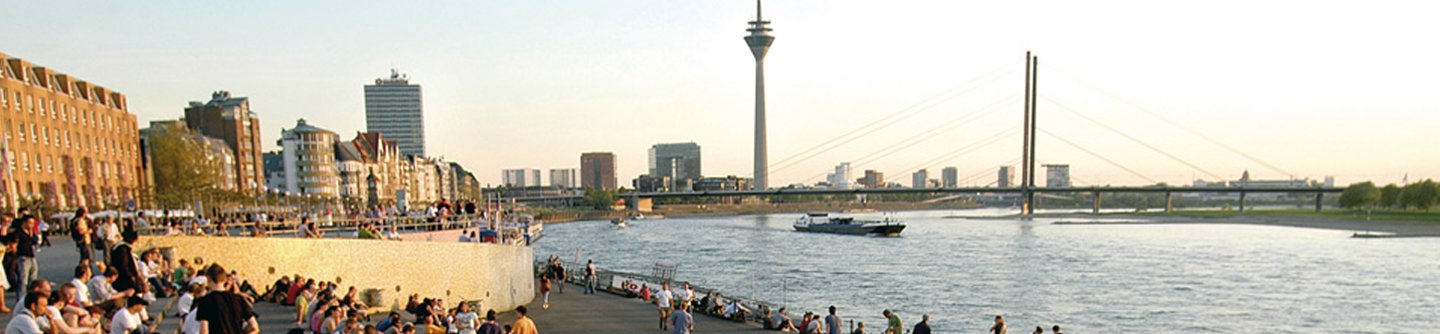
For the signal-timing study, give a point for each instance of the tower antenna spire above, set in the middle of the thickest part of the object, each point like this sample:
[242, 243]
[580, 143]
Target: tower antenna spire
[758, 17]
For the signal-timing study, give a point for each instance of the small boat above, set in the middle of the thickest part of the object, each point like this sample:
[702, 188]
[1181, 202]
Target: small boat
[620, 222]
[820, 222]
[641, 216]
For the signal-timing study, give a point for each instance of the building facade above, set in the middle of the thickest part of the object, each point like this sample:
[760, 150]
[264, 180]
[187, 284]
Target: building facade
[840, 179]
[71, 143]
[564, 178]
[872, 179]
[520, 178]
[308, 153]
[1057, 176]
[678, 161]
[919, 179]
[393, 107]
[1006, 177]
[597, 170]
[230, 119]
[950, 177]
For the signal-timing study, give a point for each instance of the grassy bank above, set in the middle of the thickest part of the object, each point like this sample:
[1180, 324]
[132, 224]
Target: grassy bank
[1381, 215]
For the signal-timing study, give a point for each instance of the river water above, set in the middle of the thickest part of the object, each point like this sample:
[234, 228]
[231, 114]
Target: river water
[1086, 278]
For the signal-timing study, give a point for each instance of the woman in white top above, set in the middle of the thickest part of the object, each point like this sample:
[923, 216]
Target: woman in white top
[466, 319]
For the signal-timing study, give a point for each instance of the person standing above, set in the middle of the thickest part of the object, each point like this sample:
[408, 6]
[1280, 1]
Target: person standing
[122, 258]
[589, 277]
[545, 292]
[832, 322]
[222, 311]
[25, 246]
[681, 319]
[560, 276]
[923, 327]
[999, 327]
[80, 232]
[523, 324]
[109, 234]
[895, 325]
[662, 301]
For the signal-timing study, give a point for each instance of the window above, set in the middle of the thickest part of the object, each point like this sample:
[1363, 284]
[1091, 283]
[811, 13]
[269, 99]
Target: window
[4, 99]
[21, 132]
[25, 161]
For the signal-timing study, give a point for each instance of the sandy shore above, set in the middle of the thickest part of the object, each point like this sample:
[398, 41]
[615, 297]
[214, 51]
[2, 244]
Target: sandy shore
[1361, 229]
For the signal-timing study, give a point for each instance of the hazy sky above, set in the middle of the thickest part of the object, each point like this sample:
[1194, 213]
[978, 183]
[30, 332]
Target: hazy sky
[1346, 89]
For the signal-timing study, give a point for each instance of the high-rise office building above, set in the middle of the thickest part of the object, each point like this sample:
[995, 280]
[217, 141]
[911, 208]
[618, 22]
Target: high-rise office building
[308, 154]
[597, 170]
[230, 119]
[950, 177]
[520, 177]
[1057, 176]
[678, 161]
[71, 142]
[919, 178]
[872, 179]
[393, 108]
[840, 179]
[563, 178]
[1006, 177]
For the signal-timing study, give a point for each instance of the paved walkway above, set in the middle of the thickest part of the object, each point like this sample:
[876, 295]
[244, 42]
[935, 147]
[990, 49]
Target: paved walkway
[571, 312]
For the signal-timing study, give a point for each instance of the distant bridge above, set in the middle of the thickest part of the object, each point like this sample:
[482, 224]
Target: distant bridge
[1097, 192]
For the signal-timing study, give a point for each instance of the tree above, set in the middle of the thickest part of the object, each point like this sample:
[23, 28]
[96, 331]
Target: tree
[1420, 195]
[1359, 195]
[1389, 196]
[600, 199]
[182, 172]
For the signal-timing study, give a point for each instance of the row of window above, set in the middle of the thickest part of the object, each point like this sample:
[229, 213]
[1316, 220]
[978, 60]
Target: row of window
[61, 111]
[65, 138]
[52, 164]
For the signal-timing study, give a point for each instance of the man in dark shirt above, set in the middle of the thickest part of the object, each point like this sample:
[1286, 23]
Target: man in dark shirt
[222, 311]
[23, 238]
[122, 258]
[923, 327]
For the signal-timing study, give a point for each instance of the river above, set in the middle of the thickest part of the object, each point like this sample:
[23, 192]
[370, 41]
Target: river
[1087, 278]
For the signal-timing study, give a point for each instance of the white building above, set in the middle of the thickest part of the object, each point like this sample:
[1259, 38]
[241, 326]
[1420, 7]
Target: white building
[520, 178]
[841, 178]
[308, 154]
[1057, 176]
[564, 178]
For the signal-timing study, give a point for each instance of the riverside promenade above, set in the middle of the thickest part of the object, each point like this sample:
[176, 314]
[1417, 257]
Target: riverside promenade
[571, 312]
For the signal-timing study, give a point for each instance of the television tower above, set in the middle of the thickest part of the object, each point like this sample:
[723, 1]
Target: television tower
[759, 41]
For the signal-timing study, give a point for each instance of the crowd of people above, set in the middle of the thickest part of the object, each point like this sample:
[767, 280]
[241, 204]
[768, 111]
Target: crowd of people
[111, 292]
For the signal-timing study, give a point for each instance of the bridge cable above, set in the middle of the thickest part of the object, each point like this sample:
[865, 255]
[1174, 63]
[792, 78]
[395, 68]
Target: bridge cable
[891, 119]
[964, 149]
[1132, 138]
[1171, 122]
[1098, 156]
[933, 132]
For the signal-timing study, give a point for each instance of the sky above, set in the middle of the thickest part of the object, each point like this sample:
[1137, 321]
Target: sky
[1173, 91]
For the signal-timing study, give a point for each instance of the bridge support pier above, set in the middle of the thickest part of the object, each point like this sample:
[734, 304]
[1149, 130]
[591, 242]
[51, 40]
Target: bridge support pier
[1095, 195]
[1242, 201]
[1169, 202]
[1319, 199]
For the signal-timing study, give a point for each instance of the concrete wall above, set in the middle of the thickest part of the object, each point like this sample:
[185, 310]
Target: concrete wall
[499, 276]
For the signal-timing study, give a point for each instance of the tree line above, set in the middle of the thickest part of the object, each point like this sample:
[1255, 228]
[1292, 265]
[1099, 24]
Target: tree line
[1419, 195]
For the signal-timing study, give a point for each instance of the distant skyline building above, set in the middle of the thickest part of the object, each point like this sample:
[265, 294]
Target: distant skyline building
[597, 170]
[520, 177]
[230, 119]
[564, 178]
[393, 108]
[1006, 177]
[759, 41]
[680, 162]
[872, 179]
[950, 177]
[919, 178]
[840, 179]
[1057, 175]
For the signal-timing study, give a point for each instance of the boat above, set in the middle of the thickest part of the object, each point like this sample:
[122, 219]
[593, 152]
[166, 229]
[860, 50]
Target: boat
[821, 222]
[620, 222]
[641, 216]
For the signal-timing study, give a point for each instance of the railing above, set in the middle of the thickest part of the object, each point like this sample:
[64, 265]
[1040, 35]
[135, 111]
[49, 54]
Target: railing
[575, 274]
[330, 227]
